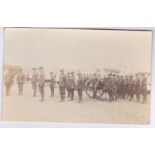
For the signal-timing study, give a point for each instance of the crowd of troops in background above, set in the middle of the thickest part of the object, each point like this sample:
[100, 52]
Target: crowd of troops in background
[115, 86]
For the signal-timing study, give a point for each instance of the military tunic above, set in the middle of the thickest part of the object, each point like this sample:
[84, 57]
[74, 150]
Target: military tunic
[41, 83]
[20, 82]
[52, 84]
[79, 87]
[62, 86]
[8, 82]
[144, 89]
[34, 81]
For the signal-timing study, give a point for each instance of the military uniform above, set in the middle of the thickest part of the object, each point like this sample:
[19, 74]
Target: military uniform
[131, 88]
[137, 88]
[114, 87]
[68, 81]
[20, 82]
[126, 87]
[144, 88]
[79, 86]
[122, 87]
[52, 83]
[62, 85]
[8, 82]
[72, 86]
[34, 81]
[41, 82]
[109, 86]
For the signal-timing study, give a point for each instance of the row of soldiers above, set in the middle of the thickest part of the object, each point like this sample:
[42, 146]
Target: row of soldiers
[38, 81]
[120, 87]
[117, 87]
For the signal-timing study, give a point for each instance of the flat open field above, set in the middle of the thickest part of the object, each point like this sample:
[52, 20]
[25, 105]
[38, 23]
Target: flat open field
[28, 108]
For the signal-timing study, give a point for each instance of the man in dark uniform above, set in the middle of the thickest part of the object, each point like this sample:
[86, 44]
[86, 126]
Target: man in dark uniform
[62, 85]
[68, 84]
[126, 87]
[41, 82]
[114, 87]
[144, 88]
[79, 86]
[109, 86]
[34, 81]
[131, 88]
[72, 85]
[137, 87]
[20, 81]
[52, 83]
[9, 79]
[122, 87]
[119, 87]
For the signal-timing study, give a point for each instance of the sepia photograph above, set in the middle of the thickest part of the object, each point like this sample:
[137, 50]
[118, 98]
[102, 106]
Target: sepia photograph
[77, 75]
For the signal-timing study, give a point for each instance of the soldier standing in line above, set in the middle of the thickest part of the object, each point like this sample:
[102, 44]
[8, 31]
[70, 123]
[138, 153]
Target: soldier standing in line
[144, 88]
[109, 85]
[131, 88]
[68, 84]
[127, 87]
[52, 83]
[137, 87]
[62, 85]
[34, 81]
[20, 81]
[118, 87]
[122, 87]
[9, 79]
[41, 81]
[79, 86]
[72, 86]
[114, 87]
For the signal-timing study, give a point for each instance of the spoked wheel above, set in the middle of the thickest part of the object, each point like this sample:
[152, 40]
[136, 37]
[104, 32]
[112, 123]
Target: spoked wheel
[90, 92]
[104, 96]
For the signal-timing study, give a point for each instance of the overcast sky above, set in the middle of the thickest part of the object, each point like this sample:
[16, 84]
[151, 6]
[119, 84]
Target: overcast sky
[78, 49]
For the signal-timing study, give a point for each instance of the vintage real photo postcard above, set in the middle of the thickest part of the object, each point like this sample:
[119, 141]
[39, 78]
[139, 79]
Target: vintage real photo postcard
[77, 75]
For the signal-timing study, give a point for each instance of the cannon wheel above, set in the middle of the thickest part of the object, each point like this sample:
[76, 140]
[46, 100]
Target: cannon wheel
[99, 93]
[90, 92]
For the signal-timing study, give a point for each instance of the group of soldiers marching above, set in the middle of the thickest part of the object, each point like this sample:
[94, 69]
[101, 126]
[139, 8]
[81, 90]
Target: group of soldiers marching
[115, 86]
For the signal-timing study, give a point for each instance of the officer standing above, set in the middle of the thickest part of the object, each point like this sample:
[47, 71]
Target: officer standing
[34, 81]
[114, 87]
[131, 88]
[137, 87]
[9, 78]
[79, 86]
[126, 87]
[109, 86]
[122, 87]
[52, 83]
[41, 81]
[144, 87]
[20, 81]
[62, 85]
[68, 83]
[72, 86]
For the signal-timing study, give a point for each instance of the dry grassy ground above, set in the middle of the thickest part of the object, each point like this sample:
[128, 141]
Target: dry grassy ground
[28, 108]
